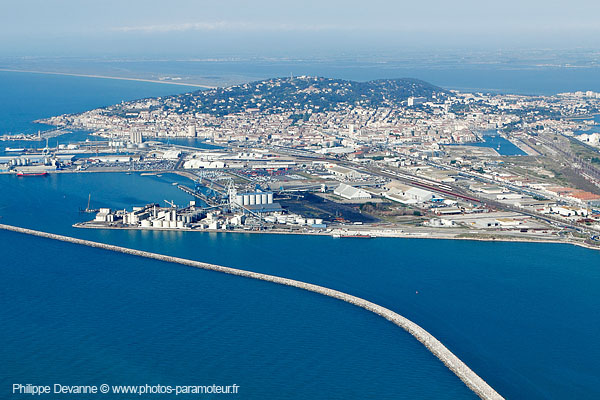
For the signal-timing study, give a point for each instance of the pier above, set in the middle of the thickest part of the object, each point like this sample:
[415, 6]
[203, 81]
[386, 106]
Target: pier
[459, 368]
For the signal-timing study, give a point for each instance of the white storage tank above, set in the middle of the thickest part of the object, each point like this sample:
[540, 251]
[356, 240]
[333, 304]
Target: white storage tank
[146, 223]
[269, 198]
[172, 224]
[246, 199]
[180, 224]
[252, 199]
[264, 198]
[239, 199]
[157, 223]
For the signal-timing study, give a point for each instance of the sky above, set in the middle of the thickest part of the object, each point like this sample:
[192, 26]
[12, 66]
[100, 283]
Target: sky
[198, 28]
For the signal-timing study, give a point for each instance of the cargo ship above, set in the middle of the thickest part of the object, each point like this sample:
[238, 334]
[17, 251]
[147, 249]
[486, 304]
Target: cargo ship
[21, 173]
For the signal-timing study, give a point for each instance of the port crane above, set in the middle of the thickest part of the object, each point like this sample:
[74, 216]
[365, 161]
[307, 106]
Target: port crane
[87, 208]
[171, 203]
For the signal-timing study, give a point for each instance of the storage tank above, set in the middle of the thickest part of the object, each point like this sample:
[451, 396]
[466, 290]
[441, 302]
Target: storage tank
[146, 223]
[252, 199]
[180, 224]
[310, 221]
[270, 198]
[264, 198]
[246, 199]
[172, 224]
[239, 199]
[318, 221]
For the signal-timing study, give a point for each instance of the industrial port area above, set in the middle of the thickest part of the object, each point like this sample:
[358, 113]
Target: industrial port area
[445, 165]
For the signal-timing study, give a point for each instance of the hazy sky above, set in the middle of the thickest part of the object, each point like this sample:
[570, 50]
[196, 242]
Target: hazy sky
[276, 27]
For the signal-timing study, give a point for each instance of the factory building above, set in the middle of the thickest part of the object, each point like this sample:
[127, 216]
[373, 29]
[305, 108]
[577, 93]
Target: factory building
[419, 195]
[407, 194]
[199, 164]
[343, 172]
[350, 192]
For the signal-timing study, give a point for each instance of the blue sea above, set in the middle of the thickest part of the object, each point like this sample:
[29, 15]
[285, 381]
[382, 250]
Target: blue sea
[524, 316]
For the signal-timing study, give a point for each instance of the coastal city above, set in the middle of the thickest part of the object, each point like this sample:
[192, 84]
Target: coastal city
[399, 158]
[315, 200]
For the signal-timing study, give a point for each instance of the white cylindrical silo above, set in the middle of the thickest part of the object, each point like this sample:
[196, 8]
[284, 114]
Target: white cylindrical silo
[246, 199]
[239, 199]
[264, 198]
[252, 199]
[269, 198]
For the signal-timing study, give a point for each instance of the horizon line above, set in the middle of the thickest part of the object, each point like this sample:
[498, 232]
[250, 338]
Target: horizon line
[108, 77]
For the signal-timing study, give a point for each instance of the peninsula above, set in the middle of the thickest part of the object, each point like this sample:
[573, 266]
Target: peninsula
[392, 157]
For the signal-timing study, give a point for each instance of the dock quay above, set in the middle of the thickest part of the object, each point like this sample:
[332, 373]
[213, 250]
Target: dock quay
[459, 368]
[198, 195]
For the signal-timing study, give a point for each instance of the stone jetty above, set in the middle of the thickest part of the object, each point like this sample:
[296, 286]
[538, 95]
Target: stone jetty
[464, 373]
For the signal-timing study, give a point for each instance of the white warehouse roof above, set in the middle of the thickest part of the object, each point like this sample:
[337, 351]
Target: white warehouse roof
[350, 192]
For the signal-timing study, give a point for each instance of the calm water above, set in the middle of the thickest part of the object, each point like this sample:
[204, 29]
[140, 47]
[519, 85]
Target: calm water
[503, 77]
[523, 316]
[594, 128]
[503, 146]
[27, 97]
[92, 317]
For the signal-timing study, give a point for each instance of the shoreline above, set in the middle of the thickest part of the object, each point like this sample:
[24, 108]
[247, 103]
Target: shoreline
[431, 236]
[107, 77]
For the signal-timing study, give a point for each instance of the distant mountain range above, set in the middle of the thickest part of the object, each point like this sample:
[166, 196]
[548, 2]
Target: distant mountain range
[301, 95]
